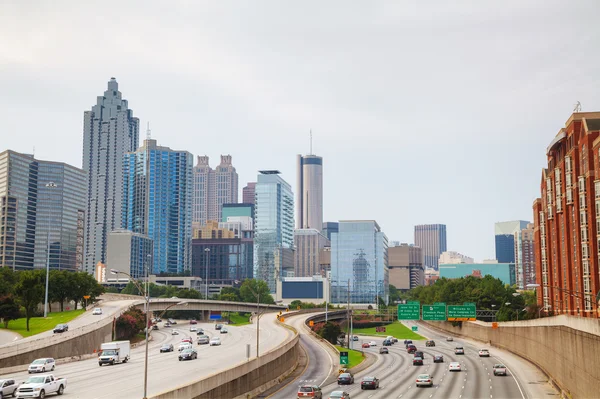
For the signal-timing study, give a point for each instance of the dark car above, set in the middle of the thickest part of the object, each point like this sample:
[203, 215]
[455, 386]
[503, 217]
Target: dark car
[384, 350]
[310, 391]
[395, 340]
[61, 328]
[417, 361]
[193, 321]
[167, 348]
[369, 383]
[155, 327]
[218, 326]
[407, 342]
[438, 359]
[345, 379]
[411, 349]
[430, 343]
[188, 354]
[419, 354]
[387, 342]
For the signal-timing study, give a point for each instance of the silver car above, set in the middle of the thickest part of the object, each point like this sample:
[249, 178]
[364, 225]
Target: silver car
[203, 340]
[424, 380]
[8, 388]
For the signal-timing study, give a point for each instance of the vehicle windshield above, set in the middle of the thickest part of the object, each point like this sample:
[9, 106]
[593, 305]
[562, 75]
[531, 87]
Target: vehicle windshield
[345, 375]
[39, 361]
[306, 389]
[501, 366]
[35, 380]
[423, 376]
[368, 378]
[336, 394]
[166, 346]
[187, 351]
[109, 352]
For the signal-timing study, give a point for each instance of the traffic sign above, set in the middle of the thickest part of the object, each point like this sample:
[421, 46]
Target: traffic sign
[415, 328]
[311, 323]
[343, 357]
[462, 313]
[494, 325]
[409, 311]
[435, 312]
[379, 329]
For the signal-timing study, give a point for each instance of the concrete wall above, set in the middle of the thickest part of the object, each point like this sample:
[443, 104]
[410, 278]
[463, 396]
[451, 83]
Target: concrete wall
[568, 356]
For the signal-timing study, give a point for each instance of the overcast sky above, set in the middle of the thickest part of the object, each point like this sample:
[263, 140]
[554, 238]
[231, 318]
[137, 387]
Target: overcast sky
[424, 111]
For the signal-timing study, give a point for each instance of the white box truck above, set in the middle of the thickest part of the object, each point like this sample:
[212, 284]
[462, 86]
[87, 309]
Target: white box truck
[114, 352]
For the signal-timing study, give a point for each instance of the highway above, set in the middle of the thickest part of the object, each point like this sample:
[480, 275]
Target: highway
[87, 380]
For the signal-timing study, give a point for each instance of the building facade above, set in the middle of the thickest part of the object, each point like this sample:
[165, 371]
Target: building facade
[235, 210]
[431, 238]
[359, 263]
[454, 257]
[273, 227]
[212, 229]
[330, 228]
[228, 260]
[308, 244]
[504, 271]
[314, 289]
[309, 192]
[524, 257]
[213, 188]
[41, 201]
[505, 239]
[405, 264]
[128, 252]
[567, 221]
[109, 131]
[248, 193]
[158, 185]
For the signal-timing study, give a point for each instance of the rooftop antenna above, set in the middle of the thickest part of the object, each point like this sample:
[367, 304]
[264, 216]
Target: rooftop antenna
[311, 153]
[148, 132]
[34, 151]
[577, 107]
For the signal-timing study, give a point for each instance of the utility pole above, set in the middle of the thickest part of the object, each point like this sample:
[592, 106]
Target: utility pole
[348, 316]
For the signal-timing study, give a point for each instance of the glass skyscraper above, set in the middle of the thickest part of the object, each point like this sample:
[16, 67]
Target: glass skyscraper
[359, 256]
[431, 238]
[274, 227]
[157, 183]
[505, 239]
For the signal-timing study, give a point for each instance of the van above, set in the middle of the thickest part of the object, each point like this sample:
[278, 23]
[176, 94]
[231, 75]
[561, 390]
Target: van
[114, 352]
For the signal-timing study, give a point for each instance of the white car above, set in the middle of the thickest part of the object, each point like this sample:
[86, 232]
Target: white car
[193, 329]
[184, 345]
[215, 341]
[174, 332]
[8, 388]
[40, 386]
[41, 365]
[424, 380]
[454, 366]
[97, 311]
[372, 343]
[484, 353]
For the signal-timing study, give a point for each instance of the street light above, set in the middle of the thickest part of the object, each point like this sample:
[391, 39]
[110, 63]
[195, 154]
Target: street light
[206, 253]
[147, 304]
[49, 186]
[258, 314]
[184, 303]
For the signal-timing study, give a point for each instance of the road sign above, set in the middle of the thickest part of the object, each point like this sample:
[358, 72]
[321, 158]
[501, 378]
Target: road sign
[379, 329]
[282, 319]
[86, 297]
[435, 312]
[415, 328]
[462, 313]
[215, 315]
[409, 311]
[494, 325]
[311, 323]
[343, 357]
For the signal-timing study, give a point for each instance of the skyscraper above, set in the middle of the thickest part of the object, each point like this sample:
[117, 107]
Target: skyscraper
[273, 226]
[41, 200]
[432, 240]
[505, 239]
[330, 228]
[248, 193]
[524, 258]
[158, 185]
[213, 188]
[109, 131]
[308, 243]
[309, 192]
[405, 264]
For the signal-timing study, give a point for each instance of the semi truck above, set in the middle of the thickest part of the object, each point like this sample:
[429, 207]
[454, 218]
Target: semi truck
[114, 352]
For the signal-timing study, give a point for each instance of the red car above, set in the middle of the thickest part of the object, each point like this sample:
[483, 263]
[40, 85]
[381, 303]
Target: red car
[193, 321]
[366, 345]
[411, 349]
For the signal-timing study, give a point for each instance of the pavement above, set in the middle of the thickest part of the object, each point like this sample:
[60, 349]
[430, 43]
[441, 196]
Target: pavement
[7, 336]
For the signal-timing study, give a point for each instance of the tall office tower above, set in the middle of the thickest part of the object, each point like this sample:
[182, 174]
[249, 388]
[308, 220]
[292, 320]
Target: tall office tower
[567, 228]
[308, 243]
[309, 194]
[448, 257]
[505, 239]
[109, 131]
[330, 228]
[212, 189]
[273, 227]
[431, 238]
[359, 255]
[248, 193]
[524, 258]
[405, 264]
[41, 200]
[158, 185]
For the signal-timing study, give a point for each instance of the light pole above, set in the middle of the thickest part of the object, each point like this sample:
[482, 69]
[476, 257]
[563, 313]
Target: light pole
[206, 256]
[49, 186]
[258, 314]
[147, 306]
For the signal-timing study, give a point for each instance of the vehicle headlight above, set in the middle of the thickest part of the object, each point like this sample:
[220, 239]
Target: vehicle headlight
[36, 389]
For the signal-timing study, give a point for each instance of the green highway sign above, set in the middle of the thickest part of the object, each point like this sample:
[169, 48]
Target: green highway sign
[409, 311]
[462, 312]
[344, 358]
[415, 328]
[435, 312]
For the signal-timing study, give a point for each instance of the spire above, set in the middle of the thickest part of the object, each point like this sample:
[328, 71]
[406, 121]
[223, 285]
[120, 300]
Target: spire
[148, 132]
[310, 153]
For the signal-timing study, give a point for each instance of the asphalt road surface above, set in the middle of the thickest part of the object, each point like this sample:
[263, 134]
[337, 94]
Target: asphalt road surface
[87, 380]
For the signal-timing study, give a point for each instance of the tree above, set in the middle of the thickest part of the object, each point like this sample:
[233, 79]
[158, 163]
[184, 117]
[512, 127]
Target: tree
[9, 309]
[330, 332]
[228, 297]
[258, 286]
[231, 293]
[8, 279]
[59, 287]
[30, 291]
[84, 284]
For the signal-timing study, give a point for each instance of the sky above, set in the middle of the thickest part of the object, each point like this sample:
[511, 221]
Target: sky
[424, 112]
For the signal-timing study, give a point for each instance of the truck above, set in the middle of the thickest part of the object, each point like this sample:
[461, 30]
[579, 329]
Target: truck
[114, 352]
[42, 385]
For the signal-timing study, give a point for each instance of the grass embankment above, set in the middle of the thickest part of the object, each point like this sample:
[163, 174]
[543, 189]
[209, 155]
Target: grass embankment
[236, 319]
[354, 357]
[39, 324]
[397, 330]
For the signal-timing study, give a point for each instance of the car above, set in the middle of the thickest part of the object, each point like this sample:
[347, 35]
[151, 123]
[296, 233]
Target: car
[366, 345]
[42, 365]
[369, 383]
[193, 321]
[200, 331]
[418, 361]
[407, 342]
[390, 338]
[449, 339]
[419, 354]
[174, 332]
[193, 329]
[484, 353]
[310, 391]
[430, 343]
[158, 319]
[187, 339]
[355, 338]
[411, 349]
[499, 369]
[459, 350]
[167, 348]
[438, 359]
[167, 324]
[387, 342]
[218, 326]
[339, 395]
[61, 328]
[215, 341]
[395, 340]
[188, 354]
[97, 311]
[454, 366]
[203, 340]
[40, 386]
[155, 327]
[383, 350]
[171, 321]
[345, 379]
[372, 343]
[424, 380]
[224, 330]
[183, 346]
[8, 388]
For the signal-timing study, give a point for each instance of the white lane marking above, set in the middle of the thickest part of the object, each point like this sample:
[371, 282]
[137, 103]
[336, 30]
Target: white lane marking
[514, 378]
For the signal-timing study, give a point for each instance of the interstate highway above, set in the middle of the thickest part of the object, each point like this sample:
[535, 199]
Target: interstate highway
[87, 380]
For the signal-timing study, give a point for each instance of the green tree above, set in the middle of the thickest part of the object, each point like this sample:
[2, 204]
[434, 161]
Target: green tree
[330, 332]
[232, 293]
[228, 297]
[30, 291]
[9, 309]
[8, 279]
[260, 287]
[83, 284]
[59, 287]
